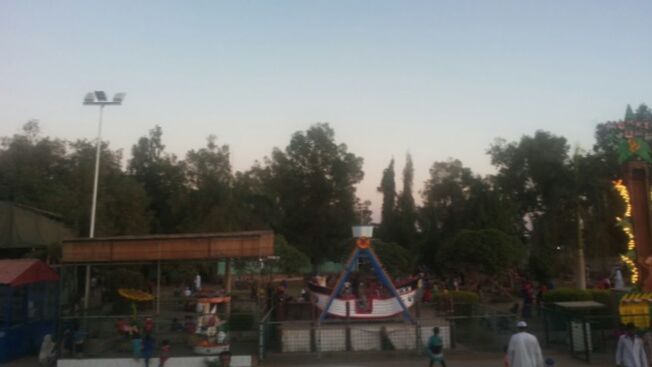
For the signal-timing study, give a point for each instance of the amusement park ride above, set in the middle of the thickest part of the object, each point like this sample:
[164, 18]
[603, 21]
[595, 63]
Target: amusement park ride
[630, 139]
[347, 300]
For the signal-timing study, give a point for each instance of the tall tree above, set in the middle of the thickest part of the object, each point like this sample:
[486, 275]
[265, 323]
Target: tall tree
[122, 203]
[454, 199]
[314, 182]
[387, 216]
[536, 173]
[31, 168]
[162, 177]
[209, 184]
[629, 114]
[406, 208]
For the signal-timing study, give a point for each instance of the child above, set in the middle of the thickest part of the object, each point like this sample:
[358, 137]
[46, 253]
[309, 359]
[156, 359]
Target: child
[148, 348]
[165, 353]
[435, 348]
[136, 345]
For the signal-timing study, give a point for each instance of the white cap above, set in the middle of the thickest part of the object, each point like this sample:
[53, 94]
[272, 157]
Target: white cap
[521, 324]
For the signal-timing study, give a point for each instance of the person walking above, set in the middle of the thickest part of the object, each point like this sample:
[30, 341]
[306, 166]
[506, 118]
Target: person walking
[435, 348]
[630, 351]
[523, 349]
[148, 348]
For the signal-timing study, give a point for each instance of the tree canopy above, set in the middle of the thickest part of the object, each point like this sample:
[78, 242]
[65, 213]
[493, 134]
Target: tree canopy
[525, 214]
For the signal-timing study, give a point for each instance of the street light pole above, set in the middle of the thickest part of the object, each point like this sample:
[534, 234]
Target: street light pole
[98, 144]
[98, 98]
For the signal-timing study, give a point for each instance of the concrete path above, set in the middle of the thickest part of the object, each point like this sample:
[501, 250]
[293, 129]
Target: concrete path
[453, 359]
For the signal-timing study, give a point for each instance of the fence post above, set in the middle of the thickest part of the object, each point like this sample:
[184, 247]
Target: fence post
[586, 341]
[347, 329]
[451, 330]
[418, 341]
[318, 340]
[569, 325]
[261, 340]
[545, 326]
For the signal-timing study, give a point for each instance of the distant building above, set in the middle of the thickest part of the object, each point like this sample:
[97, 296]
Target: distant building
[24, 229]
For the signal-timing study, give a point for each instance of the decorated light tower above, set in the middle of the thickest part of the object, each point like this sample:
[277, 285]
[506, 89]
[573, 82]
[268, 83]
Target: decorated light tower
[630, 138]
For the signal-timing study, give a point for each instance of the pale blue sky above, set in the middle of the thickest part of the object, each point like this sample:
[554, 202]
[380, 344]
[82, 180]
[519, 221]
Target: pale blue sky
[436, 78]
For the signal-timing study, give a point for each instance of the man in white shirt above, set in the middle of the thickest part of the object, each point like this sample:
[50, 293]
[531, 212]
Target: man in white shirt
[630, 351]
[524, 349]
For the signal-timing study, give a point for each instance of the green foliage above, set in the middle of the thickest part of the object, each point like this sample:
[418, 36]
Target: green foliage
[162, 177]
[601, 295]
[387, 187]
[313, 184]
[487, 251]
[291, 260]
[455, 199]
[406, 215]
[567, 295]
[465, 297]
[396, 259]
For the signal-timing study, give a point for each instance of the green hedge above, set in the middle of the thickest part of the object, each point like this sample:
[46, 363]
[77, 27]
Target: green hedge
[573, 294]
[601, 295]
[459, 297]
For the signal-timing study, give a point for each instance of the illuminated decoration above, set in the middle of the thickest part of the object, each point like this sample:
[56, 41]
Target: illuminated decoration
[363, 242]
[625, 223]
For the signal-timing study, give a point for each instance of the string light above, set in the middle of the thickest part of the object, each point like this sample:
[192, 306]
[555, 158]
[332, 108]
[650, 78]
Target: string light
[622, 191]
[625, 224]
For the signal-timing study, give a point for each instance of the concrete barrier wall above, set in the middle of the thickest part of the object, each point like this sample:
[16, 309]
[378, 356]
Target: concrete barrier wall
[236, 361]
[363, 338]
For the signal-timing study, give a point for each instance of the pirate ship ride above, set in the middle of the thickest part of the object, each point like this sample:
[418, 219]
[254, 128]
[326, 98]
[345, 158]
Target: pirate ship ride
[358, 298]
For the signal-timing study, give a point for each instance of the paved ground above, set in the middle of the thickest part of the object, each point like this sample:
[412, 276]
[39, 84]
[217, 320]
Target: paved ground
[454, 359]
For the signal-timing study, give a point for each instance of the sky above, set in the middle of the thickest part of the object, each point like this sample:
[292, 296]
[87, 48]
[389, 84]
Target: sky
[435, 79]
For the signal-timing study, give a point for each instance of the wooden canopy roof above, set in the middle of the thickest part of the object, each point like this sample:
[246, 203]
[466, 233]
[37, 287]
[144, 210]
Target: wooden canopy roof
[252, 244]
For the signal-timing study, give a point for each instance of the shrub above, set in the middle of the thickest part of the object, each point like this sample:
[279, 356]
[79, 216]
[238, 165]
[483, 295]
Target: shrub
[567, 295]
[459, 297]
[601, 295]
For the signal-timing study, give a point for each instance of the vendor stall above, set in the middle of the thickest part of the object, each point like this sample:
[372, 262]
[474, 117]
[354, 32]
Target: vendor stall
[28, 305]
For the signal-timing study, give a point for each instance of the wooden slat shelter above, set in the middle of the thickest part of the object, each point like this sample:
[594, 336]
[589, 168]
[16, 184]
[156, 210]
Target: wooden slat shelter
[252, 244]
[166, 248]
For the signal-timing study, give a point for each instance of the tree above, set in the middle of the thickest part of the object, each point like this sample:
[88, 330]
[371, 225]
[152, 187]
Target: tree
[256, 201]
[454, 199]
[162, 178]
[487, 251]
[396, 259]
[536, 174]
[406, 208]
[629, 114]
[291, 260]
[31, 168]
[122, 203]
[209, 181]
[313, 181]
[387, 187]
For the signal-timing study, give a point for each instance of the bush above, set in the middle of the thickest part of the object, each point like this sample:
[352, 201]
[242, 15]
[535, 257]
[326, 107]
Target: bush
[459, 297]
[567, 295]
[601, 295]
